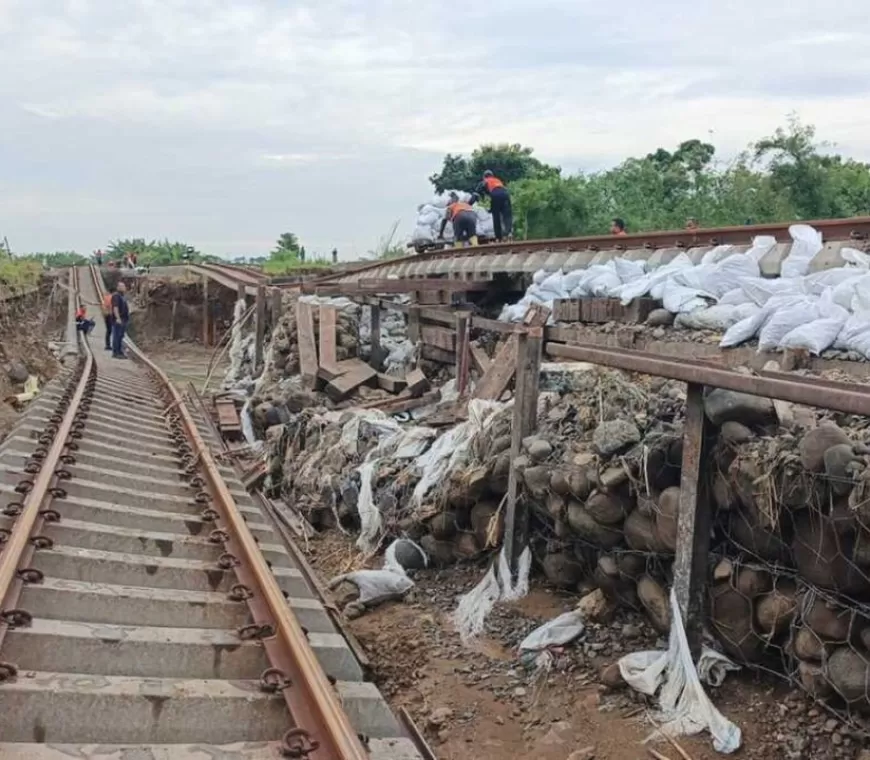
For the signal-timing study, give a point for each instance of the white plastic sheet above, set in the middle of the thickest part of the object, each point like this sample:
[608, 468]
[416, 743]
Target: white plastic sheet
[497, 585]
[555, 633]
[684, 708]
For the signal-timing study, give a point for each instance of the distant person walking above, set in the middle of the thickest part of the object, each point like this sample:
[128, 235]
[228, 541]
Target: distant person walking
[108, 317]
[120, 316]
[464, 221]
[617, 227]
[499, 205]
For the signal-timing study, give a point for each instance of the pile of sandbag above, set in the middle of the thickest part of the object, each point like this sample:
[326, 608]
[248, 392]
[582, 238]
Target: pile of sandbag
[431, 214]
[726, 292]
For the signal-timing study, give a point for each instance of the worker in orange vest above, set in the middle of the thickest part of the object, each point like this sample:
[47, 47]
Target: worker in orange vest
[499, 205]
[464, 221]
[83, 324]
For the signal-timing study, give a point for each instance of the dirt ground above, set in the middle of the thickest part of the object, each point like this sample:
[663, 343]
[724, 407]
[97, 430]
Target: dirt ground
[26, 327]
[482, 702]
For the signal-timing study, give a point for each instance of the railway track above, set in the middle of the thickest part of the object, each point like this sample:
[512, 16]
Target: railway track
[150, 609]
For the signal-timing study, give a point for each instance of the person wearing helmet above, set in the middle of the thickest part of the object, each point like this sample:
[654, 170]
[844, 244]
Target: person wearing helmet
[464, 221]
[500, 204]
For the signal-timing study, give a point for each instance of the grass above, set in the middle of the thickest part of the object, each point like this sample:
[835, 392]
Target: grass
[19, 274]
[277, 267]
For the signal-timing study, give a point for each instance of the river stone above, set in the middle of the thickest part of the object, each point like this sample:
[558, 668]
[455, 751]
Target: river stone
[724, 406]
[660, 318]
[735, 433]
[615, 436]
[409, 555]
[17, 372]
[817, 441]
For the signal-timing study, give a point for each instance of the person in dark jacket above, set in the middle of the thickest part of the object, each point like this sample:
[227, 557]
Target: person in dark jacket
[120, 318]
[464, 221]
[499, 204]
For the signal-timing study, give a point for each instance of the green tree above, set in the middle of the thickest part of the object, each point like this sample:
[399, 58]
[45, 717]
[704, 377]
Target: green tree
[509, 162]
[550, 207]
[287, 246]
[154, 252]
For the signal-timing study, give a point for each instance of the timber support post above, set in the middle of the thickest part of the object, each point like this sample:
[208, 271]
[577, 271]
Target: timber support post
[206, 313]
[694, 522]
[525, 417]
[259, 326]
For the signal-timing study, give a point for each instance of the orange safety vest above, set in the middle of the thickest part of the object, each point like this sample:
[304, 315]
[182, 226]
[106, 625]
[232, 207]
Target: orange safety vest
[457, 208]
[80, 312]
[107, 303]
[491, 183]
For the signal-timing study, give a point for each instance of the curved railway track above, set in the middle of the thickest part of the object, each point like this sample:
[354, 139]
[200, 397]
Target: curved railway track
[150, 609]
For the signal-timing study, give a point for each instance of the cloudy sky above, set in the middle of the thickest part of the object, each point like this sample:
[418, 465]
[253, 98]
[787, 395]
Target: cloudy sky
[227, 122]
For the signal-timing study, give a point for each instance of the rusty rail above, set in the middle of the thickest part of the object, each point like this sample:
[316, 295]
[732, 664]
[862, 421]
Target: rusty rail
[323, 730]
[46, 463]
[854, 228]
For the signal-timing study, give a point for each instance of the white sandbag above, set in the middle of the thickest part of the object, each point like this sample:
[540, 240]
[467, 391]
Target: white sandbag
[735, 297]
[629, 270]
[539, 276]
[605, 284]
[554, 284]
[678, 298]
[572, 279]
[557, 632]
[717, 317]
[861, 298]
[817, 282]
[858, 258]
[855, 335]
[761, 289]
[661, 275]
[806, 243]
[748, 327]
[815, 337]
[761, 246]
[799, 311]
[731, 272]
[717, 254]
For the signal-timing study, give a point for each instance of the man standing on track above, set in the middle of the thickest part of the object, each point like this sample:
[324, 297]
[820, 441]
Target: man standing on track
[500, 204]
[120, 316]
[108, 317]
[464, 221]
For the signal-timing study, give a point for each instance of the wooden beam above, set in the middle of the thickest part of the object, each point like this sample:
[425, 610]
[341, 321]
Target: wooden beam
[259, 326]
[439, 337]
[695, 520]
[463, 355]
[340, 388]
[377, 355]
[404, 402]
[205, 312]
[479, 358]
[391, 383]
[277, 306]
[242, 293]
[414, 324]
[435, 354]
[327, 337]
[525, 417]
[418, 383]
[307, 348]
[496, 380]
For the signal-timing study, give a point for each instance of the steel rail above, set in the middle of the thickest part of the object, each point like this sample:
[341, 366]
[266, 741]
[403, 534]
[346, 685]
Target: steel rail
[816, 392]
[20, 541]
[309, 694]
[853, 228]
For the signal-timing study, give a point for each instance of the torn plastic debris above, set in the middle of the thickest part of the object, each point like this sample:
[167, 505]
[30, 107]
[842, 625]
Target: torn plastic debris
[684, 708]
[534, 649]
[497, 586]
[378, 586]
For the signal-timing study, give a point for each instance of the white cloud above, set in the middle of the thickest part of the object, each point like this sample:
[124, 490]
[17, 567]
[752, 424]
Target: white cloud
[233, 121]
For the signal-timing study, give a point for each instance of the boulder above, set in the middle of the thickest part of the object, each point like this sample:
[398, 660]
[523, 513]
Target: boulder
[735, 433]
[660, 318]
[837, 461]
[409, 555]
[615, 436]
[606, 508]
[848, 672]
[817, 441]
[655, 601]
[723, 406]
[539, 449]
[585, 526]
[17, 372]
[562, 569]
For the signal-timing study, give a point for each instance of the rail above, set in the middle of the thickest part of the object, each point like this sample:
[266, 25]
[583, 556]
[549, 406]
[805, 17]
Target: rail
[854, 228]
[323, 729]
[31, 514]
